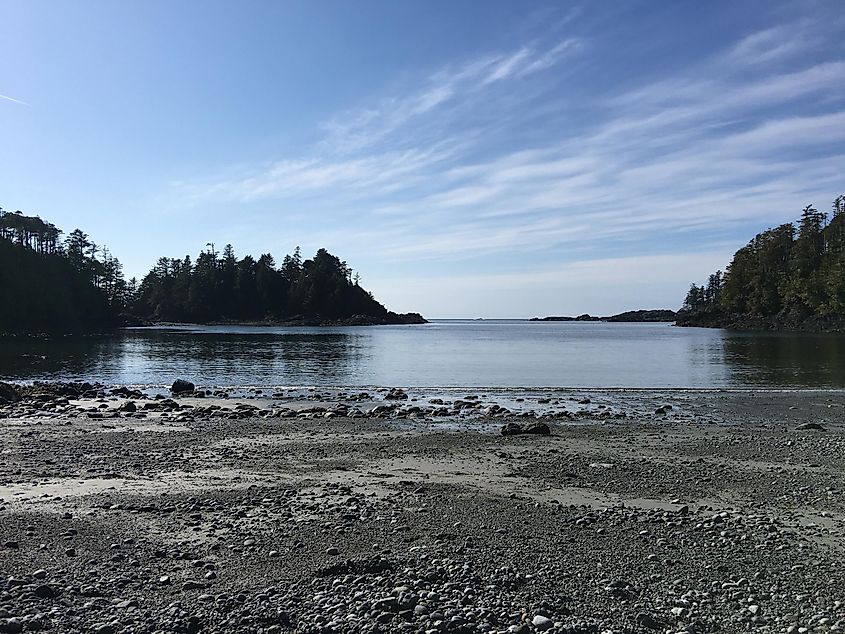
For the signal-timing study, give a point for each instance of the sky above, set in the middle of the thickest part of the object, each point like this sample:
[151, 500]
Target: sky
[467, 159]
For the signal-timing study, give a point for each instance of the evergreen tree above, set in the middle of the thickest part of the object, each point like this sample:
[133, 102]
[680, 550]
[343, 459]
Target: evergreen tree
[784, 275]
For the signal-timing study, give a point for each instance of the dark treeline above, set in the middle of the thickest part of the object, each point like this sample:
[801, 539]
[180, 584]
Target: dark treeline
[50, 285]
[220, 287]
[790, 277]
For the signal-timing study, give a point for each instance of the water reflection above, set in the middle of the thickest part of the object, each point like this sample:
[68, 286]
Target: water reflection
[155, 357]
[445, 354]
[22, 358]
[807, 360]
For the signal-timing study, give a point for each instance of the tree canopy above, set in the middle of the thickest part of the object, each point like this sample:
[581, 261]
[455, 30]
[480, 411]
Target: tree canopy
[789, 277]
[221, 287]
[53, 286]
[50, 285]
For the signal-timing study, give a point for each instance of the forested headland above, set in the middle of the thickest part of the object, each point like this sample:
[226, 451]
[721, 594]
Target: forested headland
[50, 285]
[791, 277]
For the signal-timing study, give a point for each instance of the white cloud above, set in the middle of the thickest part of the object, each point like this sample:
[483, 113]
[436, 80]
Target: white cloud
[771, 44]
[444, 173]
[13, 100]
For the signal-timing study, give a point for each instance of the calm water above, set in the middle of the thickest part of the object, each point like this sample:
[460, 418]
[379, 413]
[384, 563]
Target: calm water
[440, 354]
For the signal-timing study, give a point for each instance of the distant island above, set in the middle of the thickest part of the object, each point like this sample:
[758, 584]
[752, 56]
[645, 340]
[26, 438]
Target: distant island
[662, 315]
[73, 286]
[786, 278]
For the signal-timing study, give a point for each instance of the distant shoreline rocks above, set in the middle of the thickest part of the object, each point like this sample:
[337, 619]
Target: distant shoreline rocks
[631, 316]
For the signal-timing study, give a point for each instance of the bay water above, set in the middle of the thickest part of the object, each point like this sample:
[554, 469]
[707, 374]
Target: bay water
[444, 353]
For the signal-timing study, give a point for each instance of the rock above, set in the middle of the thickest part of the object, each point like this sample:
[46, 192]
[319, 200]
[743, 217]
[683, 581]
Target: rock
[540, 429]
[192, 585]
[514, 429]
[44, 591]
[128, 406]
[11, 626]
[396, 394]
[8, 393]
[648, 621]
[40, 574]
[542, 623]
[180, 386]
[332, 551]
[810, 426]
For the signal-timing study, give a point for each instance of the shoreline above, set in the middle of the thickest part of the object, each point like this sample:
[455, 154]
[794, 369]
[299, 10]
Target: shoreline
[361, 514]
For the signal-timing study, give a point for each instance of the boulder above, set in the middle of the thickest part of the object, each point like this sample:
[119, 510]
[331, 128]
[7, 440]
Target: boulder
[514, 429]
[809, 427]
[8, 393]
[181, 386]
[396, 394]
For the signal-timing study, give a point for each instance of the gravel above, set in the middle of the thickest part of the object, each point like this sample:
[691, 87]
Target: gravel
[713, 514]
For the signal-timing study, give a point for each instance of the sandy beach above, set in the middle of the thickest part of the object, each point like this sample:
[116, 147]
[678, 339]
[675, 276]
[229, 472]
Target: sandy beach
[641, 511]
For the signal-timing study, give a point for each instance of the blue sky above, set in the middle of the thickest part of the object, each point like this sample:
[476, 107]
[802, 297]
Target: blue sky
[469, 159]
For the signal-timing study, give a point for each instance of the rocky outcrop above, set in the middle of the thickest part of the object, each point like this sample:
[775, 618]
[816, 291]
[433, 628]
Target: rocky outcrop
[787, 321]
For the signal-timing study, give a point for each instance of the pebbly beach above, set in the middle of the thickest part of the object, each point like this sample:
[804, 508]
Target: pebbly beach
[391, 511]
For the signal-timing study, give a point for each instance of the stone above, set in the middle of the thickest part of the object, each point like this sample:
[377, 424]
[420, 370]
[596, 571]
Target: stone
[542, 623]
[8, 393]
[11, 626]
[181, 386]
[192, 585]
[44, 591]
[648, 621]
[540, 429]
[396, 394]
[810, 427]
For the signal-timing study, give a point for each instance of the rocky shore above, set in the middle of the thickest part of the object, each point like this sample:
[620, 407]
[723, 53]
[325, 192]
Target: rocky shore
[786, 321]
[396, 511]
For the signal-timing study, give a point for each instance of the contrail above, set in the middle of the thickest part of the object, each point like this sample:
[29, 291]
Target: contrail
[12, 99]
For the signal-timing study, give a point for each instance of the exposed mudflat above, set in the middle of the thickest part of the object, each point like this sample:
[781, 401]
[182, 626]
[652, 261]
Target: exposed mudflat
[642, 511]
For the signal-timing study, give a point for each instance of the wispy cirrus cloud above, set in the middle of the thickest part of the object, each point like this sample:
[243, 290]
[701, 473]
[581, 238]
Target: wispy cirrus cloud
[456, 169]
[771, 44]
[356, 130]
[13, 100]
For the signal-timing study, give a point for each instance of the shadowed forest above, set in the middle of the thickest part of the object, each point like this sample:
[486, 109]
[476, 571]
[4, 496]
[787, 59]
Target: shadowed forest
[72, 285]
[787, 278]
